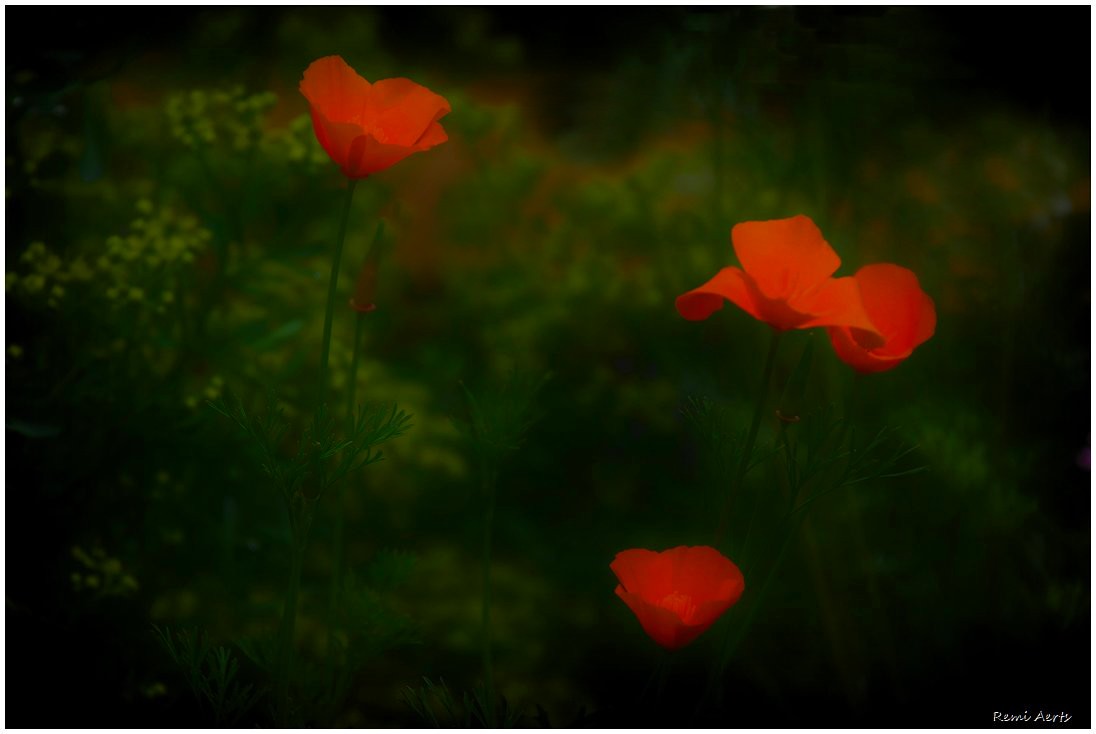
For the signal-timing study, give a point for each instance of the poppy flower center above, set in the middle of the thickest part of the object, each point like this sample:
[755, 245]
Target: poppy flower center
[680, 604]
[867, 340]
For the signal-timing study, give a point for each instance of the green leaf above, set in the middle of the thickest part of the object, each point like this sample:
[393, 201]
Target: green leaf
[34, 430]
[282, 334]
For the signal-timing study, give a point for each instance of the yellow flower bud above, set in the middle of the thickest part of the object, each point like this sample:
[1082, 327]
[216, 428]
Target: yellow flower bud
[34, 283]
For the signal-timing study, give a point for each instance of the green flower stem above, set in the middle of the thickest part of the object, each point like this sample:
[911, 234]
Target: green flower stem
[657, 676]
[792, 494]
[300, 526]
[332, 286]
[336, 572]
[337, 533]
[751, 438]
[735, 635]
[489, 482]
[351, 412]
[738, 633]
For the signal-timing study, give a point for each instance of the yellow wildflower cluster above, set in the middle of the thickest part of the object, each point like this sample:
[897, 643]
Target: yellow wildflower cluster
[48, 275]
[297, 142]
[158, 240]
[127, 268]
[212, 391]
[101, 574]
[202, 118]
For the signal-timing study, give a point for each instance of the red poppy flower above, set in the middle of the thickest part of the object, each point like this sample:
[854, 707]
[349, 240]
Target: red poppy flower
[784, 280]
[903, 314]
[678, 593]
[366, 127]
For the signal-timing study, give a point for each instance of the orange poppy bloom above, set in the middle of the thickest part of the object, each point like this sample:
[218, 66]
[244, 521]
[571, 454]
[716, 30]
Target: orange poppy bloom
[784, 279]
[678, 593]
[366, 127]
[903, 314]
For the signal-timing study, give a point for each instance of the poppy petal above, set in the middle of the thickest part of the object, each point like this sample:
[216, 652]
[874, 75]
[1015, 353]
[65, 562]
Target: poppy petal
[332, 86]
[731, 284]
[926, 327]
[784, 256]
[903, 313]
[640, 572]
[365, 127]
[860, 359]
[837, 302]
[708, 612]
[678, 593]
[336, 138]
[905, 317]
[376, 156]
[661, 625]
[434, 135]
[695, 568]
[405, 110]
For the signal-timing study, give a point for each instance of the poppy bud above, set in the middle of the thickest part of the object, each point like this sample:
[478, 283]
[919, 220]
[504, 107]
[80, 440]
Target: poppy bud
[365, 288]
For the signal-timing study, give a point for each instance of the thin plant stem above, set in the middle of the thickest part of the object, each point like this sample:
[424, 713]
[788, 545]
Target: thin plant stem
[489, 482]
[890, 654]
[737, 634]
[299, 528]
[332, 286]
[792, 494]
[751, 437]
[656, 671]
[337, 533]
[351, 412]
[336, 573]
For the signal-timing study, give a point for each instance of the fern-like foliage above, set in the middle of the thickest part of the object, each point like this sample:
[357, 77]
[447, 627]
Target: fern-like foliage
[720, 441]
[498, 419]
[439, 708]
[211, 672]
[368, 620]
[824, 453]
[321, 457]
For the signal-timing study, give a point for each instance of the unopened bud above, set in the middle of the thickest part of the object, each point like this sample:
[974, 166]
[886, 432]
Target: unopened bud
[365, 289]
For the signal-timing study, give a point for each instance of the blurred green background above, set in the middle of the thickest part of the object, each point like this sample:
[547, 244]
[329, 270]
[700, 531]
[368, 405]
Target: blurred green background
[170, 219]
